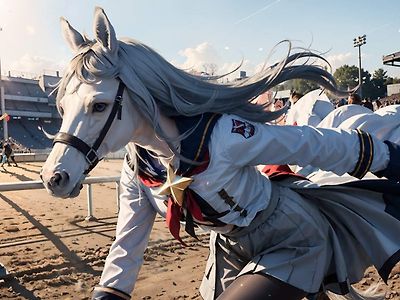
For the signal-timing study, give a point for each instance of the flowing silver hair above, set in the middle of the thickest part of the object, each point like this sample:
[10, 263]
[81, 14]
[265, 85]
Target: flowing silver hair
[155, 85]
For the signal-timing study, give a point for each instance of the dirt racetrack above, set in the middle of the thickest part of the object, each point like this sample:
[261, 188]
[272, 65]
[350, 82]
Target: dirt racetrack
[51, 252]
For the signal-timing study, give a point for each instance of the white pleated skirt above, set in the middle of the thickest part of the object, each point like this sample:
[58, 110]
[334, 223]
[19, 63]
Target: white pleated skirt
[310, 237]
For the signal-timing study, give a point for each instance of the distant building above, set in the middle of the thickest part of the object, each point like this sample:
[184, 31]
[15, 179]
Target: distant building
[393, 89]
[392, 59]
[31, 106]
[242, 75]
[26, 97]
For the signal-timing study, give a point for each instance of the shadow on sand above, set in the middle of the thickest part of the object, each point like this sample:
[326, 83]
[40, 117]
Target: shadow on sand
[17, 176]
[72, 260]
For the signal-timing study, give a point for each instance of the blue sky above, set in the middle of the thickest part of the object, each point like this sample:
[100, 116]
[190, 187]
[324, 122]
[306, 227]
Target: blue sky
[193, 33]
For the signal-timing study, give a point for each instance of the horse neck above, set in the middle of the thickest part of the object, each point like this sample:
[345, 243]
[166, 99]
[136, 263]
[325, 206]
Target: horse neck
[146, 138]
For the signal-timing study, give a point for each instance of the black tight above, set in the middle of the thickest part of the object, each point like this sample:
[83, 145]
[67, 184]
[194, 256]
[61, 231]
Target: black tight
[260, 287]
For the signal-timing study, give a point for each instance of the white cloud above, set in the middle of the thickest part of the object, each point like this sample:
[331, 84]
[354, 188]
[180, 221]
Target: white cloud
[198, 57]
[202, 54]
[338, 60]
[30, 29]
[34, 64]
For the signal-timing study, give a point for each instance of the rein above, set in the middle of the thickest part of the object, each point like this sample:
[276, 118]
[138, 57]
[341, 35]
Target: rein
[90, 152]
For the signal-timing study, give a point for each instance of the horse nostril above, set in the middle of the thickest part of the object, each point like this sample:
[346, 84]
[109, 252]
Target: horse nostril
[55, 179]
[59, 179]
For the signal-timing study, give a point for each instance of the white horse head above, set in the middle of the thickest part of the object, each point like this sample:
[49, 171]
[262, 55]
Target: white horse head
[85, 103]
[154, 93]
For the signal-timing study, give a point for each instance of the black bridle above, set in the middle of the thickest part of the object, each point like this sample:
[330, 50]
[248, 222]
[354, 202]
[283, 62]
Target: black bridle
[90, 153]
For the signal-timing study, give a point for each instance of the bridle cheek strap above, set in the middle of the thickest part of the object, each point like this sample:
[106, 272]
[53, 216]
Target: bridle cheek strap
[90, 152]
[71, 140]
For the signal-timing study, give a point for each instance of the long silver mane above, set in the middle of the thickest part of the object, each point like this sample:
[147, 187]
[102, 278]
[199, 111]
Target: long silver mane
[157, 86]
[153, 83]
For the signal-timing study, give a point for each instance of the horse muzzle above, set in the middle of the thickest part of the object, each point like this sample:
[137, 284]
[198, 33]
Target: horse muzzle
[58, 184]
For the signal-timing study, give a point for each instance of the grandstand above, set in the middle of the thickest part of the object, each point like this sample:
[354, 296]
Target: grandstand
[30, 105]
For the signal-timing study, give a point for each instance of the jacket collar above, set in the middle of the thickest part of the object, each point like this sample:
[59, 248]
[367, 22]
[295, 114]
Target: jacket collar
[195, 146]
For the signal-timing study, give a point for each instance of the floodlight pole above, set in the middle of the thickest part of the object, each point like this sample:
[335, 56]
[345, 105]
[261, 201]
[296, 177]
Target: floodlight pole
[358, 42]
[359, 70]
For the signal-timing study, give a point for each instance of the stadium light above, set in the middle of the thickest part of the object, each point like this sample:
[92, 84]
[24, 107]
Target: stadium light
[358, 42]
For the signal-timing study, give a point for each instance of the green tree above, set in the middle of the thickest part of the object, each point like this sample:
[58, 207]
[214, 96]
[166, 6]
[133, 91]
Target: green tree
[304, 86]
[346, 77]
[368, 88]
[379, 81]
[380, 74]
[299, 85]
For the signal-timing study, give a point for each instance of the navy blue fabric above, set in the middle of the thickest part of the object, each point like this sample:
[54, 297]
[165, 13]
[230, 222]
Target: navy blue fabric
[388, 266]
[103, 295]
[382, 186]
[390, 191]
[366, 155]
[392, 171]
[196, 144]
[149, 166]
[392, 205]
[191, 145]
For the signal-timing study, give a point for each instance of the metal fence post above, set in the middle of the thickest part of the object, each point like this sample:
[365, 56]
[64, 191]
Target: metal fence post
[90, 216]
[117, 194]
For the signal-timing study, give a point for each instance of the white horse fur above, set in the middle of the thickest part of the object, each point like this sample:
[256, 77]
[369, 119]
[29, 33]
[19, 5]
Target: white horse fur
[155, 91]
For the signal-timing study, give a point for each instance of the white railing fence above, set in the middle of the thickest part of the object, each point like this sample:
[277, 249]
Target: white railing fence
[40, 155]
[89, 181]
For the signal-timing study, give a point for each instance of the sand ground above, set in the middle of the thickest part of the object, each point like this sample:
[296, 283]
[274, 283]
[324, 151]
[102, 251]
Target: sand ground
[52, 252]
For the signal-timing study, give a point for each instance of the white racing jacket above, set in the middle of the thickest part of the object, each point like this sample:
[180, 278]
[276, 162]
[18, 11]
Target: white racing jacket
[236, 147]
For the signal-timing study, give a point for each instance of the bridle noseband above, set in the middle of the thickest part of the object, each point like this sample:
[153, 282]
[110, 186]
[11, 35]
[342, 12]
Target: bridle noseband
[90, 153]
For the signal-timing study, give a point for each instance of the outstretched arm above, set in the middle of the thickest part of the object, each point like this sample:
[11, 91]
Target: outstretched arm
[135, 221]
[244, 143]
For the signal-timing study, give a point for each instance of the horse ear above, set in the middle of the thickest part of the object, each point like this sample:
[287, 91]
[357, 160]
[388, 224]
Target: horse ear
[73, 37]
[104, 31]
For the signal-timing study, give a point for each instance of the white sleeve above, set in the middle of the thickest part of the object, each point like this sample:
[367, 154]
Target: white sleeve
[135, 221]
[249, 143]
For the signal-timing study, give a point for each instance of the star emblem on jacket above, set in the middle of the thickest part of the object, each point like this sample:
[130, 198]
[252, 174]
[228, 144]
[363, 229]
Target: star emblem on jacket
[175, 186]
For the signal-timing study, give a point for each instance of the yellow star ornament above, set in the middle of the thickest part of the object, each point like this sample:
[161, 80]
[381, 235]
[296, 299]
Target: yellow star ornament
[175, 186]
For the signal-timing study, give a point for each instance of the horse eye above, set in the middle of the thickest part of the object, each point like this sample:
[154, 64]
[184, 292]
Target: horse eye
[99, 107]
